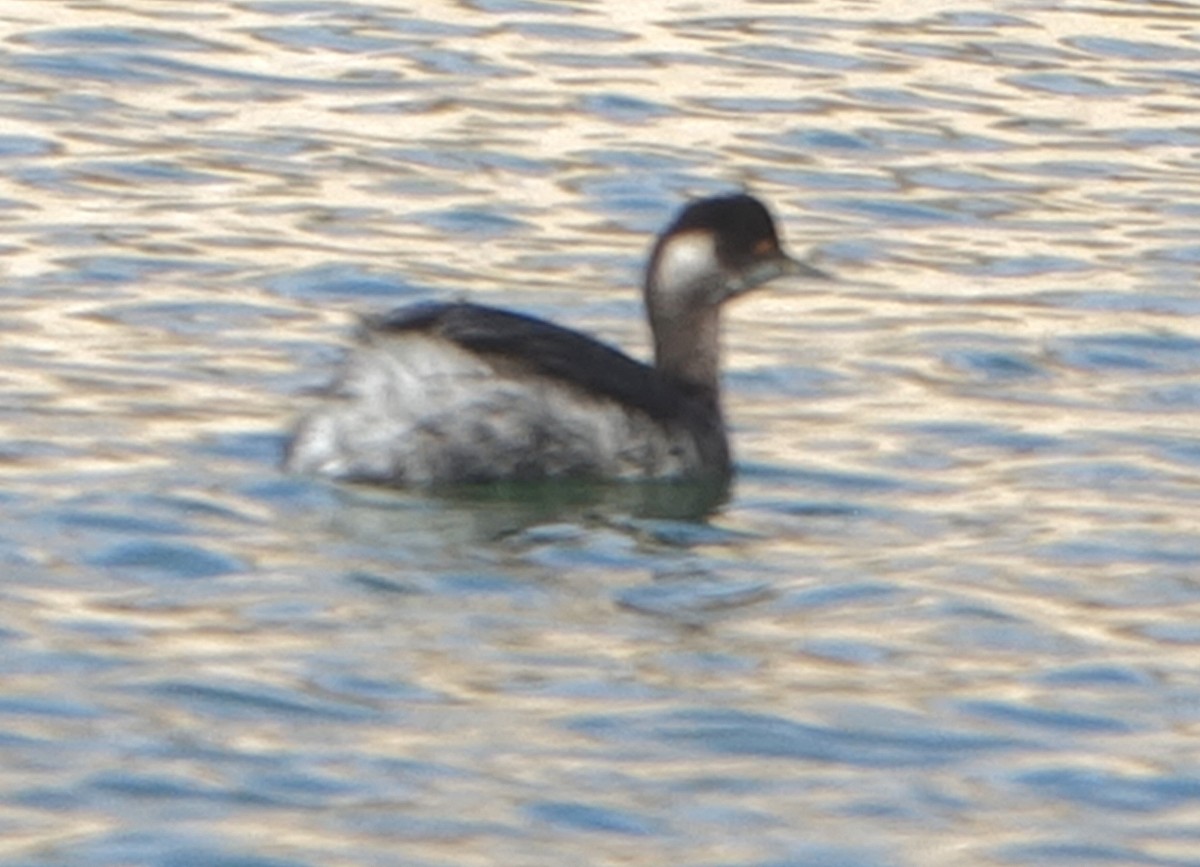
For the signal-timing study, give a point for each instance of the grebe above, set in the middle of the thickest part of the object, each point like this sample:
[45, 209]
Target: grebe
[452, 393]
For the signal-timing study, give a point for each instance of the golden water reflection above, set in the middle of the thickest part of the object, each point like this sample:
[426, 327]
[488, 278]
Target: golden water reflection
[945, 615]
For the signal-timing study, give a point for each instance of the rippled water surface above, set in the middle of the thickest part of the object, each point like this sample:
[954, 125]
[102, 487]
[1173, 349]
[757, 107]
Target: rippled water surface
[950, 614]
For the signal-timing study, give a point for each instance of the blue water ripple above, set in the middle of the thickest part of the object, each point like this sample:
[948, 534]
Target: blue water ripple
[994, 366]
[44, 706]
[1171, 633]
[1098, 674]
[804, 57]
[569, 32]
[842, 481]
[12, 146]
[924, 142]
[1086, 854]
[1144, 136]
[326, 38]
[1111, 790]
[251, 446]
[829, 139]
[342, 280]
[129, 524]
[837, 595]
[1030, 266]
[475, 222]
[590, 817]
[823, 856]
[122, 38]
[1127, 49]
[743, 733]
[987, 21]
[1068, 84]
[239, 699]
[1037, 717]
[204, 318]
[847, 652]
[145, 172]
[1180, 398]
[445, 61]
[622, 108]
[131, 269]
[162, 848]
[113, 69]
[1144, 547]
[973, 435]
[166, 786]
[894, 210]
[166, 559]
[1162, 351]
[681, 598]
[960, 180]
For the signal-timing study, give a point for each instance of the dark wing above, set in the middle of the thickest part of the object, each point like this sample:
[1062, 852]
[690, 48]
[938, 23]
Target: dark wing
[543, 348]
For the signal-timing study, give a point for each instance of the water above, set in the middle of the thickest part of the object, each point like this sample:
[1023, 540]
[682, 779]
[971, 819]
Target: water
[947, 616]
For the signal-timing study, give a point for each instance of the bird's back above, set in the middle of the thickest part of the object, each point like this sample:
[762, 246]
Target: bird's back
[453, 393]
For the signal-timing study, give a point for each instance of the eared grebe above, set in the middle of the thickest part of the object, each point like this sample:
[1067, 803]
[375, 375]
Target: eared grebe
[449, 393]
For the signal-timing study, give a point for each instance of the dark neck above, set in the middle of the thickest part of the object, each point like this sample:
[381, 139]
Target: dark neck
[687, 352]
[687, 347]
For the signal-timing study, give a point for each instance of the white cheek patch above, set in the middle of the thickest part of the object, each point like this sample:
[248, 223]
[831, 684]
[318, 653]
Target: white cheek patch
[686, 260]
